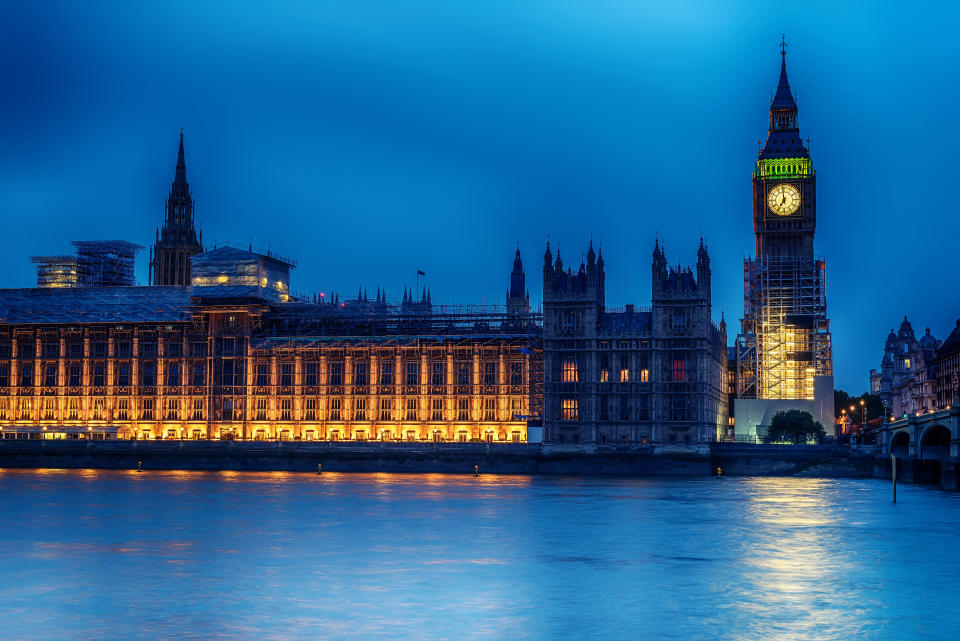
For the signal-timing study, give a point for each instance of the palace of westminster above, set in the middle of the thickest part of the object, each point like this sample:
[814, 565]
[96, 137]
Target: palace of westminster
[217, 346]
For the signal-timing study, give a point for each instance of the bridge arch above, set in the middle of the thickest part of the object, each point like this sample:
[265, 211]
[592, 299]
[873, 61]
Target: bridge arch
[935, 443]
[900, 443]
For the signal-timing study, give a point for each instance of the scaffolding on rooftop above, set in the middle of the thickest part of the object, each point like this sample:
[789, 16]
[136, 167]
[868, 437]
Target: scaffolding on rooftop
[97, 263]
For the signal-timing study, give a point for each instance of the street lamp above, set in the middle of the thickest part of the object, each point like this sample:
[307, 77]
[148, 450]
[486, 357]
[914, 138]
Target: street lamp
[863, 417]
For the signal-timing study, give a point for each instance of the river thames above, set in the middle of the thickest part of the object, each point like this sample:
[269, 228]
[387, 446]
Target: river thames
[220, 555]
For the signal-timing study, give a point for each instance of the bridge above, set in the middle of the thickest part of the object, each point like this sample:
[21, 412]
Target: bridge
[926, 444]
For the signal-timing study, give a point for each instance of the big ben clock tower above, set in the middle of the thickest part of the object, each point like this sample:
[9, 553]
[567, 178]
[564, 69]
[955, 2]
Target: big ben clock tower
[783, 350]
[784, 183]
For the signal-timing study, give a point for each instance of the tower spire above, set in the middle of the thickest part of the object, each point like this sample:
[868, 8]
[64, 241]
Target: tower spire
[783, 98]
[180, 178]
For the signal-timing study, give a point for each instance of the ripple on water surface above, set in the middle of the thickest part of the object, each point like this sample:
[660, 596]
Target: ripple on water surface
[92, 554]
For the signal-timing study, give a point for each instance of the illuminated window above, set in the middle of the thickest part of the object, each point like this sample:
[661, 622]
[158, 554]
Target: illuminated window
[335, 407]
[516, 407]
[604, 376]
[49, 409]
[413, 406]
[98, 405]
[570, 412]
[123, 409]
[286, 409]
[360, 409]
[516, 373]
[644, 376]
[625, 375]
[436, 373]
[436, 411]
[570, 371]
[310, 409]
[680, 373]
[463, 409]
[386, 409]
[261, 414]
[26, 407]
[172, 407]
[906, 363]
[489, 409]
[197, 409]
[412, 374]
[146, 410]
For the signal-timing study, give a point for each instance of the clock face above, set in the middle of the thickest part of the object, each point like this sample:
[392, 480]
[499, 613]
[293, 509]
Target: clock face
[783, 199]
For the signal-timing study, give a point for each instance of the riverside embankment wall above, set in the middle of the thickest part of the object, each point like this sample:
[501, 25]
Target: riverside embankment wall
[737, 460]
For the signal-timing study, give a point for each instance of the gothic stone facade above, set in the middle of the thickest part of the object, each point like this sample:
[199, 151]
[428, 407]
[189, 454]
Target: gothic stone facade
[632, 375]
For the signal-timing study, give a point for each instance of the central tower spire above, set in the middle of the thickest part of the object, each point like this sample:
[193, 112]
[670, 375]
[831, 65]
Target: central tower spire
[177, 240]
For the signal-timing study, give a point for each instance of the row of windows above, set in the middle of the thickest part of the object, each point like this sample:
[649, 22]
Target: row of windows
[232, 374]
[171, 409]
[173, 375]
[678, 408]
[27, 349]
[679, 373]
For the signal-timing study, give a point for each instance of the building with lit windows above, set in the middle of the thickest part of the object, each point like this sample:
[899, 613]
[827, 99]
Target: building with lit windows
[247, 361]
[632, 375]
[907, 380]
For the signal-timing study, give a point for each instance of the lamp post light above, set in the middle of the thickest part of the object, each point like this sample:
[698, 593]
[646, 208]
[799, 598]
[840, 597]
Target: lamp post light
[863, 418]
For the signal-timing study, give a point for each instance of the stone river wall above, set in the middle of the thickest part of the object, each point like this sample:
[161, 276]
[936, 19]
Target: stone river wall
[733, 459]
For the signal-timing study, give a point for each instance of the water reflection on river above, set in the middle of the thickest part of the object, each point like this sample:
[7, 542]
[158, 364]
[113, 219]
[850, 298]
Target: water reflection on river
[92, 554]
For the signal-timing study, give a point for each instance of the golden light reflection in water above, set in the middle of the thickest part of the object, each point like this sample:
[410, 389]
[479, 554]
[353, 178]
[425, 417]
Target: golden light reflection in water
[790, 558]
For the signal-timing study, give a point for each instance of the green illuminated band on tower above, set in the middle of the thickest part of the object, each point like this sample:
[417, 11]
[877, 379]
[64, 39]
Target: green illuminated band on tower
[783, 167]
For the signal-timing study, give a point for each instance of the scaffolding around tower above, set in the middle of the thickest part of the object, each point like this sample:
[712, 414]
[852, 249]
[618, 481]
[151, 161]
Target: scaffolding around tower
[785, 334]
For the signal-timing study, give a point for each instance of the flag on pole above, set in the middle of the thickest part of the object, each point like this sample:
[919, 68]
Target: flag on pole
[421, 273]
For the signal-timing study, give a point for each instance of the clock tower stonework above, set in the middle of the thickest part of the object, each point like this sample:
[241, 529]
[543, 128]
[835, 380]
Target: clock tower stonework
[784, 354]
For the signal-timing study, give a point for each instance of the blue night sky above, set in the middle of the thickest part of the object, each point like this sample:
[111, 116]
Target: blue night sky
[369, 138]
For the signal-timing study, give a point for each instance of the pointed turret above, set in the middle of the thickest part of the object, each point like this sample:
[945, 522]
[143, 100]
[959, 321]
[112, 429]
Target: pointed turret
[517, 278]
[659, 266]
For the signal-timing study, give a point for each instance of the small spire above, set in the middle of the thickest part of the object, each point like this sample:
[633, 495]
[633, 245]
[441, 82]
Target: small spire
[181, 174]
[783, 99]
